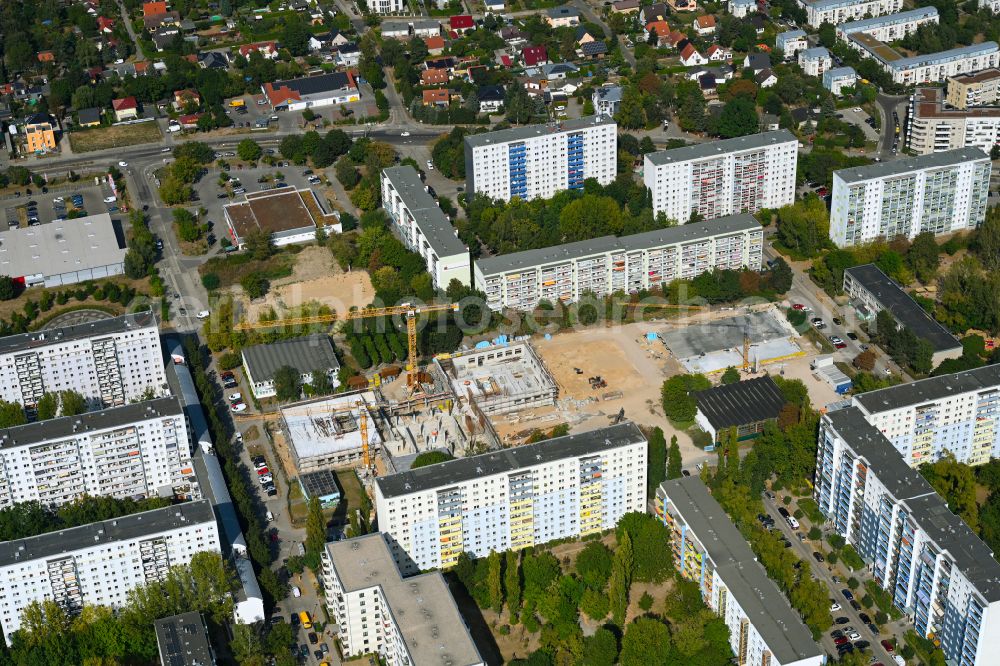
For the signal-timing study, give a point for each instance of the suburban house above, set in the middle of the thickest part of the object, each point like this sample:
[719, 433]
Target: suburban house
[659, 28]
[436, 97]
[89, 117]
[459, 24]
[690, 56]
[562, 17]
[705, 25]
[267, 49]
[606, 100]
[125, 108]
[625, 7]
[187, 97]
[491, 98]
[435, 45]
[654, 12]
[433, 77]
[40, 133]
[716, 53]
[765, 78]
[534, 55]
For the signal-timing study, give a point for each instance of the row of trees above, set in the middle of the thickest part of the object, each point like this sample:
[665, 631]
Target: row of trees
[28, 519]
[22, 322]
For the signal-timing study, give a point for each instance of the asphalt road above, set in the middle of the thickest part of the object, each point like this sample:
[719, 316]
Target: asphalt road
[886, 105]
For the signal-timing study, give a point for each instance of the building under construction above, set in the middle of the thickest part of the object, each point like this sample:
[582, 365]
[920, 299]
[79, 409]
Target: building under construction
[328, 433]
[500, 378]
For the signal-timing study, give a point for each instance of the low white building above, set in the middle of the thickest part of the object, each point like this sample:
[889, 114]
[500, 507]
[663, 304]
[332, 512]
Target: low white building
[289, 215]
[838, 78]
[606, 100]
[424, 228]
[386, 6]
[100, 563]
[405, 621]
[308, 354]
[312, 92]
[741, 8]
[815, 61]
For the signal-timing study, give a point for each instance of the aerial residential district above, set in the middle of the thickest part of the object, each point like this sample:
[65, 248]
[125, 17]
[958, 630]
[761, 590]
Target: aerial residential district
[481, 332]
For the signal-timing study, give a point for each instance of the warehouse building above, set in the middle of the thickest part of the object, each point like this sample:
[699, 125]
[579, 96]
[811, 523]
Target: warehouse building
[707, 549]
[536, 161]
[933, 128]
[308, 354]
[109, 362]
[627, 264]
[64, 251]
[872, 291]
[565, 487]
[405, 621]
[940, 193]
[746, 405]
[935, 569]
[100, 563]
[312, 92]
[727, 177]
[135, 451]
[183, 640]
[424, 228]
[288, 214]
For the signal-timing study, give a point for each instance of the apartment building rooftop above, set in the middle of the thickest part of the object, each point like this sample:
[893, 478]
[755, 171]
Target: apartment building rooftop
[977, 77]
[183, 640]
[306, 354]
[908, 164]
[943, 57]
[766, 607]
[929, 103]
[901, 306]
[714, 148]
[509, 460]
[685, 233]
[826, 5]
[422, 605]
[930, 390]
[125, 528]
[888, 19]
[949, 532]
[70, 426]
[532, 131]
[24, 341]
[434, 224]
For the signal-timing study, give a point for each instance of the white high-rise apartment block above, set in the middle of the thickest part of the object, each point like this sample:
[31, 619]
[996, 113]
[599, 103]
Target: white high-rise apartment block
[719, 178]
[424, 228]
[136, 451]
[709, 550]
[99, 563]
[957, 413]
[110, 362]
[406, 621]
[627, 264]
[933, 128]
[940, 193]
[935, 569]
[539, 160]
[511, 499]
[840, 11]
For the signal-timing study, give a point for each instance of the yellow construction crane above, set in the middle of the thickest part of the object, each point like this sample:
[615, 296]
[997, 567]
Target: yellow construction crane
[411, 312]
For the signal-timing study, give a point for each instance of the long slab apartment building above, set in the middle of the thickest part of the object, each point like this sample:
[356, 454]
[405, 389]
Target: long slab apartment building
[719, 178]
[424, 228]
[841, 11]
[609, 264]
[707, 549]
[511, 499]
[130, 452]
[940, 193]
[99, 563]
[537, 161]
[110, 362]
[937, 571]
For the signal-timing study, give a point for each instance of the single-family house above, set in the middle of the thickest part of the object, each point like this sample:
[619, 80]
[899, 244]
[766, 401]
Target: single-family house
[592, 50]
[435, 45]
[691, 57]
[661, 29]
[164, 36]
[491, 98]
[741, 8]
[396, 29]
[705, 25]
[682, 5]
[513, 36]
[433, 77]
[461, 23]
[716, 53]
[89, 117]
[213, 60]
[425, 28]
[533, 56]
[190, 120]
[185, 98]
[495, 5]
[765, 78]
[654, 12]
[583, 36]
[562, 17]
[436, 97]
[267, 49]
[708, 85]
[625, 7]
[756, 62]
[126, 108]
[105, 25]
[46, 56]
[555, 71]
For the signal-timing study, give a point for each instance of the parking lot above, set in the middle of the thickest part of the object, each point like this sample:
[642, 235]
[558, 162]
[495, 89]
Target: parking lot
[42, 208]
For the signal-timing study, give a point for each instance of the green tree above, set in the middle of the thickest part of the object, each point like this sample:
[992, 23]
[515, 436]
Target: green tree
[621, 579]
[287, 383]
[255, 285]
[594, 604]
[678, 403]
[249, 150]
[730, 376]
[430, 458]
[738, 118]
[315, 527]
[259, 244]
[923, 257]
[71, 403]
[512, 581]
[494, 580]
[656, 461]
[674, 462]
[647, 643]
[600, 649]
[648, 544]
[8, 288]
[593, 565]
[956, 483]
[988, 240]
[47, 406]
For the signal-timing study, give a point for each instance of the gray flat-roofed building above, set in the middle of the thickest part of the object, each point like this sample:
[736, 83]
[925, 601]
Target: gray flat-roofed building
[423, 227]
[411, 620]
[64, 251]
[871, 291]
[322, 485]
[308, 354]
[183, 640]
[709, 550]
[629, 264]
[746, 405]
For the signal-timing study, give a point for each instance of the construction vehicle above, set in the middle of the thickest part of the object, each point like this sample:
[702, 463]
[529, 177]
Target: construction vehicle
[407, 310]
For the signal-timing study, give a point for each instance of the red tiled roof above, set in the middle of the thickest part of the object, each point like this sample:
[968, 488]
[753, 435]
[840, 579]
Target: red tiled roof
[661, 28]
[263, 47]
[533, 55]
[688, 51]
[436, 95]
[154, 8]
[435, 42]
[706, 21]
[461, 22]
[124, 104]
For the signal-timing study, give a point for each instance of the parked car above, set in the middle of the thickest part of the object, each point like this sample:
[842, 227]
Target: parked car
[203, 314]
[887, 645]
[854, 636]
[265, 478]
[847, 594]
[238, 407]
[236, 397]
[841, 620]
[834, 607]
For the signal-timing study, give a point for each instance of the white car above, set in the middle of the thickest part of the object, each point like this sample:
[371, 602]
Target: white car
[235, 397]
[123, 163]
[834, 607]
[111, 199]
[270, 517]
[858, 109]
[854, 636]
[405, 134]
[265, 479]
[203, 314]
[238, 407]
[899, 660]
[296, 592]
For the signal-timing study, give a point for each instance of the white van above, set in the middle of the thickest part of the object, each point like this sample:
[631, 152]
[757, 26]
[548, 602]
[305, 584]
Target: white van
[794, 524]
[270, 517]
[296, 592]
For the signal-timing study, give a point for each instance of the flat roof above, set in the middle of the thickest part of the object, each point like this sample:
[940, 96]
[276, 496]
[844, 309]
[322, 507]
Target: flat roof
[305, 354]
[274, 211]
[328, 425]
[433, 223]
[977, 77]
[183, 640]
[879, 49]
[320, 484]
[70, 426]
[531, 131]
[929, 103]
[709, 149]
[126, 528]
[748, 401]
[825, 5]
[421, 606]
[908, 164]
[930, 389]
[766, 607]
[888, 19]
[903, 308]
[972, 557]
[945, 56]
[509, 460]
[680, 234]
[815, 52]
[102, 327]
[62, 246]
